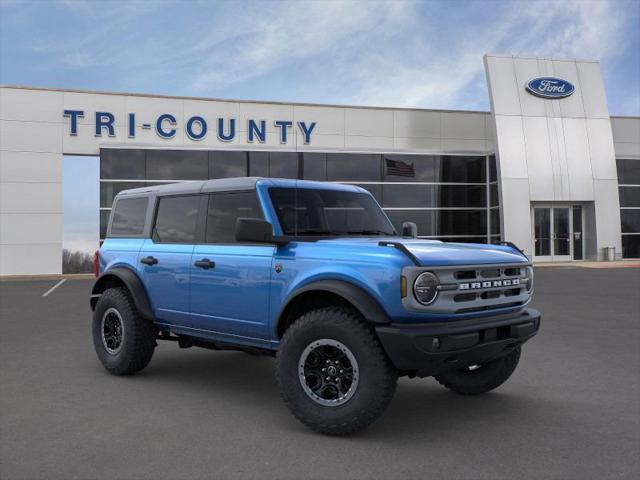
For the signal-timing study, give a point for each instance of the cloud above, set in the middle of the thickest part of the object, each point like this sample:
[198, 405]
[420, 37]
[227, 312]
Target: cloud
[276, 38]
[393, 53]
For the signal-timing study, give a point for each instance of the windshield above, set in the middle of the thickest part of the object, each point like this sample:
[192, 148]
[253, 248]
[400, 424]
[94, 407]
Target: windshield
[303, 211]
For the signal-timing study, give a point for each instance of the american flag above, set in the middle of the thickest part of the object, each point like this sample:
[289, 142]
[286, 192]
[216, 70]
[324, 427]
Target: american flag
[399, 168]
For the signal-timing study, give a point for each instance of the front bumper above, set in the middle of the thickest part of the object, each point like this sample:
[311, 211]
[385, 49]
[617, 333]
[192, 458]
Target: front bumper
[430, 348]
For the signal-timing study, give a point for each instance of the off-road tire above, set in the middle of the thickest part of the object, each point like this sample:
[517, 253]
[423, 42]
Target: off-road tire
[139, 338]
[489, 376]
[377, 376]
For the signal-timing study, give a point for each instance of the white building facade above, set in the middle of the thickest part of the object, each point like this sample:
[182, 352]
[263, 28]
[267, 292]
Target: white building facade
[547, 168]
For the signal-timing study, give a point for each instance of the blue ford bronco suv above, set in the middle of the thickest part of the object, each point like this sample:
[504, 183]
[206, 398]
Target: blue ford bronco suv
[315, 274]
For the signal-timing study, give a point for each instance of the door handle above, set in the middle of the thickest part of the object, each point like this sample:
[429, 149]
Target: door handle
[205, 263]
[149, 260]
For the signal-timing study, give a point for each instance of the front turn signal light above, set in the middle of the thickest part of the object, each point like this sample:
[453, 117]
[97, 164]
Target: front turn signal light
[403, 286]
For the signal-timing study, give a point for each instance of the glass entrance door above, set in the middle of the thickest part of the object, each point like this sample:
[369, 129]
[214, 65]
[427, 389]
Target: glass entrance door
[561, 234]
[542, 233]
[557, 232]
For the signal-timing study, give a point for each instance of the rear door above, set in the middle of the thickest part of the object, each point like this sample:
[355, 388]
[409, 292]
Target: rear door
[165, 258]
[230, 281]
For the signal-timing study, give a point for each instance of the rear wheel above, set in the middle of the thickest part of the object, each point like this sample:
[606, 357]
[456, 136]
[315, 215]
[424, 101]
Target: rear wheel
[123, 340]
[478, 379]
[332, 372]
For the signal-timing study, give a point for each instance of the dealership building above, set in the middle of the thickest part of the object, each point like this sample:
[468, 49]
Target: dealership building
[547, 168]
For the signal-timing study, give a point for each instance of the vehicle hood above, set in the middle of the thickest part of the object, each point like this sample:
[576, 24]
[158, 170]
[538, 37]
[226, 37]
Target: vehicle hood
[436, 253]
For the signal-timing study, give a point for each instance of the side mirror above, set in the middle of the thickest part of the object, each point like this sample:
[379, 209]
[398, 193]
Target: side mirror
[409, 229]
[254, 230]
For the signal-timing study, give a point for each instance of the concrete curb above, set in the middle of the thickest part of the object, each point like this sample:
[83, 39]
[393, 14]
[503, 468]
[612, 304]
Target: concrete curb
[616, 264]
[68, 276]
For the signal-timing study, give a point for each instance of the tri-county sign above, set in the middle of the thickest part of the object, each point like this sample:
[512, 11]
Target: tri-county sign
[196, 127]
[550, 87]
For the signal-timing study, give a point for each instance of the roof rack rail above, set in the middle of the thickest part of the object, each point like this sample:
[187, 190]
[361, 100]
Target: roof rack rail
[400, 246]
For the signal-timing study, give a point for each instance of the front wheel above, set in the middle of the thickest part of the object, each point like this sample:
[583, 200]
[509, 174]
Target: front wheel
[478, 379]
[332, 372]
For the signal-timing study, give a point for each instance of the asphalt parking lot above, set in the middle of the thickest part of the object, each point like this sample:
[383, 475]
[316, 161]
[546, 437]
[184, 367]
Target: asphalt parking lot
[571, 410]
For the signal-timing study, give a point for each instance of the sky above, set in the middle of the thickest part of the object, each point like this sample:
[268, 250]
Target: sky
[389, 53]
[379, 53]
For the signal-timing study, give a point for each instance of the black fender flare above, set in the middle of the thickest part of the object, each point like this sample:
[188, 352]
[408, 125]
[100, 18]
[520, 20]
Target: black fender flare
[370, 309]
[133, 283]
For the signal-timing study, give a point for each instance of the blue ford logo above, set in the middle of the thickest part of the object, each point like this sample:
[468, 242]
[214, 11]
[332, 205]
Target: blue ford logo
[550, 87]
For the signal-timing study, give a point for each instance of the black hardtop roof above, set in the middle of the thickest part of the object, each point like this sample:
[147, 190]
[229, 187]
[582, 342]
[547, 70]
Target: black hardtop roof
[230, 185]
[197, 186]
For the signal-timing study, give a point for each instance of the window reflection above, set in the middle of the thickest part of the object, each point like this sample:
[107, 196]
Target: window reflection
[177, 165]
[445, 195]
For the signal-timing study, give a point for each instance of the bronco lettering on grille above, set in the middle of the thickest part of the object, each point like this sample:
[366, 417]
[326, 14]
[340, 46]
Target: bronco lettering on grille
[489, 284]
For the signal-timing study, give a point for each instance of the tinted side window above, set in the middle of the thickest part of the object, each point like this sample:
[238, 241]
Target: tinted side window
[176, 219]
[224, 210]
[128, 217]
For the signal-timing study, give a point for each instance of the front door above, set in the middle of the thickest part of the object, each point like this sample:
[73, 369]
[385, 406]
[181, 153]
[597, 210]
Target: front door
[230, 281]
[557, 232]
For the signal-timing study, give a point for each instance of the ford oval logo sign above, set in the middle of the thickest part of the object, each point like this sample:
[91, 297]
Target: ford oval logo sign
[550, 87]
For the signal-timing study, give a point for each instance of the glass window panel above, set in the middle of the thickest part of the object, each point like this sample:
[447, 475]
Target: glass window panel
[457, 222]
[461, 169]
[494, 199]
[495, 239]
[353, 167]
[628, 171]
[405, 196]
[128, 217]
[577, 232]
[631, 246]
[315, 166]
[283, 164]
[124, 164]
[494, 216]
[493, 168]
[108, 191]
[470, 196]
[630, 221]
[258, 164]
[224, 209]
[442, 222]
[104, 221]
[434, 196]
[177, 165]
[463, 239]
[629, 196]
[226, 164]
[373, 189]
[410, 168]
[176, 219]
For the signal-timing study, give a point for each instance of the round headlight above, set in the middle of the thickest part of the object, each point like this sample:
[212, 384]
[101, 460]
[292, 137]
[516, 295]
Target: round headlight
[529, 275]
[425, 288]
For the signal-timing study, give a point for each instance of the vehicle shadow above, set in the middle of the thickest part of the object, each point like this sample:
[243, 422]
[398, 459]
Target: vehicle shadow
[421, 407]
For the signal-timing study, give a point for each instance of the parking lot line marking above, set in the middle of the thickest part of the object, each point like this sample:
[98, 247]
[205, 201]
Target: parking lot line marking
[54, 287]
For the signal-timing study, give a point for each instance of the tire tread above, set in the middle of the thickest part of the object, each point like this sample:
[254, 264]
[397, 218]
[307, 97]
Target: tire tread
[341, 316]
